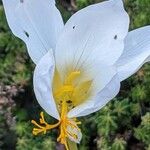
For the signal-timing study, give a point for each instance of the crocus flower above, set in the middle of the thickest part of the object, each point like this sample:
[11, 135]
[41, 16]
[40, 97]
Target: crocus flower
[79, 65]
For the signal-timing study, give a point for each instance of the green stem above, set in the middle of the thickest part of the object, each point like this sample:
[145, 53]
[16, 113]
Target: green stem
[72, 145]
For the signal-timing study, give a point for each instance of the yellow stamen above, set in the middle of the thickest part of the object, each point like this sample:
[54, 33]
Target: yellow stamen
[67, 95]
[64, 122]
[44, 127]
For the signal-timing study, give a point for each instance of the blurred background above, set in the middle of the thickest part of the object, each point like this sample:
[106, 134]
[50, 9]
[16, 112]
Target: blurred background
[124, 124]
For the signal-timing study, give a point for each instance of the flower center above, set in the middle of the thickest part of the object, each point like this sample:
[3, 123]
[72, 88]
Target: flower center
[74, 90]
[67, 94]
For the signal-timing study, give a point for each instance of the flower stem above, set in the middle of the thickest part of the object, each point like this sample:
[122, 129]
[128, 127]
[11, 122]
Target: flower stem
[72, 145]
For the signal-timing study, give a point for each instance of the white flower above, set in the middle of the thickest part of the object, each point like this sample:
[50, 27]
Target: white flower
[79, 65]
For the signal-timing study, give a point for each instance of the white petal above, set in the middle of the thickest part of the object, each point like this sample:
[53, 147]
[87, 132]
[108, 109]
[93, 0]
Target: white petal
[13, 23]
[106, 85]
[136, 52]
[38, 24]
[95, 32]
[43, 77]
[74, 131]
[107, 94]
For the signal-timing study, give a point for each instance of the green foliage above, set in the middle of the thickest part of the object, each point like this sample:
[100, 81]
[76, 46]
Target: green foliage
[103, 144]
[119, 144]
[143, 131]
[138, 93]
[122, 108]
[123, 124]
[106, 122]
